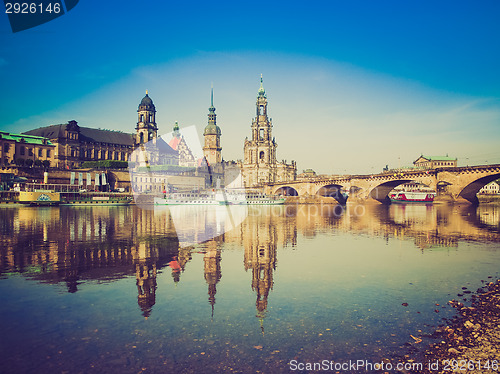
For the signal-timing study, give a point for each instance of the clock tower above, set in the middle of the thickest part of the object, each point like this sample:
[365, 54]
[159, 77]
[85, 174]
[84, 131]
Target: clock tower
[212, 149]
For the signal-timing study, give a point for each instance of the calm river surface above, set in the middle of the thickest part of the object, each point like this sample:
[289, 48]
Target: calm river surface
[130, 290]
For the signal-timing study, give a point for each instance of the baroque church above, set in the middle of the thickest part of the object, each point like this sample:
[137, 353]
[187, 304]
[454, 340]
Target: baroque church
[260, 164]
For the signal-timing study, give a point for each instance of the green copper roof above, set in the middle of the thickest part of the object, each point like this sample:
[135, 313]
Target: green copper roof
[262, 91]
[28, 139]
[212, 129]
[439, 158]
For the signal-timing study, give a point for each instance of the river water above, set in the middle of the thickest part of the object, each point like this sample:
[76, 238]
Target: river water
[264, 289]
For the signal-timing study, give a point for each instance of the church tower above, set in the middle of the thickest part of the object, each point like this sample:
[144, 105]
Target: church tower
[260, 165]
[212, 149]
[146, 126]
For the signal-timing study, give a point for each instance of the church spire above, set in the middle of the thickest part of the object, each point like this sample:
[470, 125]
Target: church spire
[212, 108]
[262, 91]
[212, 133]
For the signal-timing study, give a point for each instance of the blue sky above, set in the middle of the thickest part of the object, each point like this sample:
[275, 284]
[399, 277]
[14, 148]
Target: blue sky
[352, 86]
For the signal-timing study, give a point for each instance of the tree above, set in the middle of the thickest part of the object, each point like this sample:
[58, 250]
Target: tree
[46, 164]
[38, 163]
[29, 162]
[19, 161]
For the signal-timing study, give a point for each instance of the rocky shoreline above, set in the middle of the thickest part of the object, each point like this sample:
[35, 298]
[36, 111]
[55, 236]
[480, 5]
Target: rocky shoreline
[470, 341]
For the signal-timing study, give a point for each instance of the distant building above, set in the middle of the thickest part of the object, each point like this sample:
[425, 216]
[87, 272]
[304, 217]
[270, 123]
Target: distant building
[490, 189]
[432, 162]
[178, 143]
[28, 150]
[308, 173]
[260, 165]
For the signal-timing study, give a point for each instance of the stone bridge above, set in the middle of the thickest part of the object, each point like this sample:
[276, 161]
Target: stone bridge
[452, 182]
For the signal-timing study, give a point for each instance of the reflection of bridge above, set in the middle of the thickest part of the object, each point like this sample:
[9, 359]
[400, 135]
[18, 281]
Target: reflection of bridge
[458, 182]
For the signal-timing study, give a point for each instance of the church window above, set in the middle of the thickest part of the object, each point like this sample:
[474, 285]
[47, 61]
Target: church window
[261, 156]
[141, 138]
[142, 118]
[261, 110]
[261, 134]
[150, 118]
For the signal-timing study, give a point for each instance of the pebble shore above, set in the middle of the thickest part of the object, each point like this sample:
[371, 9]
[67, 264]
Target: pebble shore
[470, 341]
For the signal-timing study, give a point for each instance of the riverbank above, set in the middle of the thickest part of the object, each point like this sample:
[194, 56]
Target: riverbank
[470, 341]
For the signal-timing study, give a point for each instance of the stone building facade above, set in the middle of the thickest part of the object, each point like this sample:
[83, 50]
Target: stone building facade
[25, 150]
[260, 165]
[432, 162]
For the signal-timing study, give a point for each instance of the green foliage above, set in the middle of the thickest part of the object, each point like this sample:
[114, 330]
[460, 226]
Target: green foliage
[105, 164]
[19, 161]
[28, 162]
[38, 163]
[46, 163]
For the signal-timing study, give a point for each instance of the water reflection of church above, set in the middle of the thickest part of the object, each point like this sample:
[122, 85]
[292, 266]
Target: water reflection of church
[73, 246]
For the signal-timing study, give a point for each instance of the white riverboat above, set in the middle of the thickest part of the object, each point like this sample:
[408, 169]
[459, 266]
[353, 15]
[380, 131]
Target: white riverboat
[218, 198]
[413, 197]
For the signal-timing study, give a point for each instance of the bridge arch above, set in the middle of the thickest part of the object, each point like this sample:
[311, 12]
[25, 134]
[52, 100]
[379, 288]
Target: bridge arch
[381, 192]
[469, 192]
[286, 191]
[332, 190]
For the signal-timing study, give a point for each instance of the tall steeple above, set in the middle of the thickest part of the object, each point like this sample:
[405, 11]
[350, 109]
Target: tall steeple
[260, 165]
[212, 149]
[262, 91]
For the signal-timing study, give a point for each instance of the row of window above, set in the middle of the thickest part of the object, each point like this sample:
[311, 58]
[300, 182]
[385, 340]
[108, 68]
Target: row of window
[434, 164]
[29, 151]
[99, 155]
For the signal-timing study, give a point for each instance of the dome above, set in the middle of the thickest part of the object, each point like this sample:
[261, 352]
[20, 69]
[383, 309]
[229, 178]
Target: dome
[147, 102]
[212, 129]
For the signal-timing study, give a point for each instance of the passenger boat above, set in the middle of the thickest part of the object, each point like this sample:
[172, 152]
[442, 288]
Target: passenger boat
[39, 197]
[94, 198]
[262, 199]
[184, 198]
[218, 198]
[413, 197]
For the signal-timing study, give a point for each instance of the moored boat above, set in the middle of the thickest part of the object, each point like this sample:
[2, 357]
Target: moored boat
[184, 198]
[413, 197]
[218, 198]
[90, 198]
[39, 197]
[262, 199]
